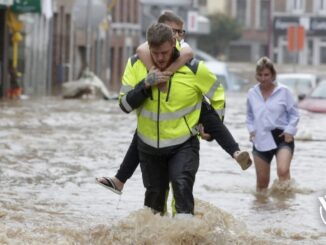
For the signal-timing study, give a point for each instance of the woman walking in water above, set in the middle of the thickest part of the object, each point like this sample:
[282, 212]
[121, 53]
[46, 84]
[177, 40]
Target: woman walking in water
[272, 118]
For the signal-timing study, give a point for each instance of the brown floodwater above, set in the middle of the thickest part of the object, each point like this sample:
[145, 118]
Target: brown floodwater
[52, 149]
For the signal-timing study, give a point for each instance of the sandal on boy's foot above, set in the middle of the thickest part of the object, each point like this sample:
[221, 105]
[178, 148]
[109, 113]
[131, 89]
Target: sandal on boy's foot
[243, 158]
[108, 183]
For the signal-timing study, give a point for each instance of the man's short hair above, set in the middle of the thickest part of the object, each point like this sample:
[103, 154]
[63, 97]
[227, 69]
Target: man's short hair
[159, 33]
[169, 16]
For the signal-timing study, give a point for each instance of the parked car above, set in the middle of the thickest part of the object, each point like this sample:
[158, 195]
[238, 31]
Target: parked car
[238, 82]
[221, 71]
[316, 101]
[201, 55]
[300, 84]
[230, 81]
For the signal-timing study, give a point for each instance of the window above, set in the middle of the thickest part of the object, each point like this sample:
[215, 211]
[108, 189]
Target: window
[296, 5]
[155, 10]
[202, 3]
[264, 14]
[241, 9]
[320, 6]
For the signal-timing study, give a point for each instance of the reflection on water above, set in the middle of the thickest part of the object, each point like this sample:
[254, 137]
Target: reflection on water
[51, 150]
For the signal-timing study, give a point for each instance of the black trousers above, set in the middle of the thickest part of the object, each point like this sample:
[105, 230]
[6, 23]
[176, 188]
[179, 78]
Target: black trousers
[177, 165]
[212, 124]
[130, 161]
[215, 127]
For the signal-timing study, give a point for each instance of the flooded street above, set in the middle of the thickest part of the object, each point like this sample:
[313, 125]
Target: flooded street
[52, 149]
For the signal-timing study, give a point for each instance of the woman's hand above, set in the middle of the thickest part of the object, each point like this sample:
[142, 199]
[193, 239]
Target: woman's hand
[288, 138]
[252, 137]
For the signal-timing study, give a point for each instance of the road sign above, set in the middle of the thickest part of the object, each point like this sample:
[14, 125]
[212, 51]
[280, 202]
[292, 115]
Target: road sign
[27, 6]
[296, 36]
[192, 23]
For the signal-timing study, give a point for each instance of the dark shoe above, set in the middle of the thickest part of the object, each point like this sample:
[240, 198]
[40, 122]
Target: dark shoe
[109, 184]
[243, 158]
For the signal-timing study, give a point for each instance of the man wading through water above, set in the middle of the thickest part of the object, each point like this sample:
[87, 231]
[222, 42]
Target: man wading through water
[211, 119]
[167, 139]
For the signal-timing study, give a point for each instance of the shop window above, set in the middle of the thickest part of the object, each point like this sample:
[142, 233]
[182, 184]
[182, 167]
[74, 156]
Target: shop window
[240, 53]
[202, 2]
[323, 55]
[289, 57]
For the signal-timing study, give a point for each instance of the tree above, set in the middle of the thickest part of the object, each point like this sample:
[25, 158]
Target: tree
[224, 29]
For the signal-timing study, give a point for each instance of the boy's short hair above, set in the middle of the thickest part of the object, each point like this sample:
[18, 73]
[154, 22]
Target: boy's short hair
[169, 16]
[159, 33]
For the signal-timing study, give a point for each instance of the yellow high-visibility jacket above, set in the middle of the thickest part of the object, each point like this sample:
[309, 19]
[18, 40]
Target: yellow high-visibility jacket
[169, 119]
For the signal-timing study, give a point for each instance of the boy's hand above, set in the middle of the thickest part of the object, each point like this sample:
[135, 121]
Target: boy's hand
[202, 133]
[156, 77]
[163, 86]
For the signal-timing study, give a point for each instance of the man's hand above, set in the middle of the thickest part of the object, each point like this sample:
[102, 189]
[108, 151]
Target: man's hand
[202, 133]
[156, 77]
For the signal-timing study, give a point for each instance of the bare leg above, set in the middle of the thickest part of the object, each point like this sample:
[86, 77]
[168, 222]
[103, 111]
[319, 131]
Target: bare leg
[262, 174]
[283, 159]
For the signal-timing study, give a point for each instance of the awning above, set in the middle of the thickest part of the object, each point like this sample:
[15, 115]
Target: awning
[24, 6]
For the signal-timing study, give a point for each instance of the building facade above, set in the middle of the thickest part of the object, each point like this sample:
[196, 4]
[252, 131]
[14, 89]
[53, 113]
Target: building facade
[103, 47]
[255, 18]
[86, 37]
[265, 25]
[194, 23]
[59, 44]
[208, 7]
[14, 58]
[309, 14]
[125, 37]
[4, 43]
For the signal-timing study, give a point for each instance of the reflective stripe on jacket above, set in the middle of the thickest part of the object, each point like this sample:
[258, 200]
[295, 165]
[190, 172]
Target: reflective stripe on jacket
[169, 119]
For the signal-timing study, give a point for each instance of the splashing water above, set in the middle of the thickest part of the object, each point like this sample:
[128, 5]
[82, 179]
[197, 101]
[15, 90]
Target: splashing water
[210, 225]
